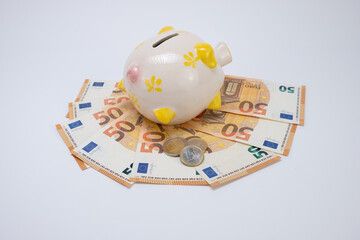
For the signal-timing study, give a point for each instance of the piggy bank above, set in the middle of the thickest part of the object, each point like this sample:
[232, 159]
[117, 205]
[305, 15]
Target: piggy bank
[174, 76]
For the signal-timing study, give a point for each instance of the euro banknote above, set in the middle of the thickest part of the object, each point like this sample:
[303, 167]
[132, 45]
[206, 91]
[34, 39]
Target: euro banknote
[152, 165]
[225, 160]
[270, 135]
[264, 99]
[239, 95]
[76, 131]
[111, 150]
[96, 89]
[78, 109]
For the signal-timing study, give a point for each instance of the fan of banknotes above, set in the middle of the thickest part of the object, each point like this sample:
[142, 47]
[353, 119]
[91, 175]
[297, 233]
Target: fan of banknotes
[254, 127]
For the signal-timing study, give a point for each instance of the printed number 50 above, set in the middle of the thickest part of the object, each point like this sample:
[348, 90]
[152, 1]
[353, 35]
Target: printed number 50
[289, 89]
[257, 153]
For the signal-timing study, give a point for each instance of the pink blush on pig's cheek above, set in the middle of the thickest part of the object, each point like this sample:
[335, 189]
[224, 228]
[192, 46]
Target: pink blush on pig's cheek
[133, 73]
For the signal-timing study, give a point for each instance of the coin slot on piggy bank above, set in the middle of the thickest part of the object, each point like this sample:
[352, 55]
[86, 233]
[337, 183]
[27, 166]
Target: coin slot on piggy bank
[174, 76]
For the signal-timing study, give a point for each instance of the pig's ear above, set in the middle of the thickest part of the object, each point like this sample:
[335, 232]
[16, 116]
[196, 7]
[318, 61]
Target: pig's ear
[165, 29]
[206, 53]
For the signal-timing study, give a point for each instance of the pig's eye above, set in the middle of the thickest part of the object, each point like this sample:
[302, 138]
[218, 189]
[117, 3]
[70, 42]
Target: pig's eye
[164, 39]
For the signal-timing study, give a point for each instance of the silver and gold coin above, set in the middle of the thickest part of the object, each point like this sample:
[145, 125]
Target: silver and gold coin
[173, 146]
[202, 144]
[192, 156]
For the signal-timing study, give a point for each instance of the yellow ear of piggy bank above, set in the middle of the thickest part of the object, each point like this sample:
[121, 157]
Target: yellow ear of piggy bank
[172, 77]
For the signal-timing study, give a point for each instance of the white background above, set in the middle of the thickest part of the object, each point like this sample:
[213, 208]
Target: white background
[48, 48]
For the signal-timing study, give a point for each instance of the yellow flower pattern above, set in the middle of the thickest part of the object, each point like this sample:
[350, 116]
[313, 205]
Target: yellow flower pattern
[134, 100]
[190, 60]
[152, 85]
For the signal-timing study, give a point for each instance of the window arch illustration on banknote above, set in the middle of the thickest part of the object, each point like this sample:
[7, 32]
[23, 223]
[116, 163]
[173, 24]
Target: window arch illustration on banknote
[213, 116]
[230, 90]
[246, 91]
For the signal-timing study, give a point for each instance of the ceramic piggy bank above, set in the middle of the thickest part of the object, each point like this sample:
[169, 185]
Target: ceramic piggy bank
[174, 76]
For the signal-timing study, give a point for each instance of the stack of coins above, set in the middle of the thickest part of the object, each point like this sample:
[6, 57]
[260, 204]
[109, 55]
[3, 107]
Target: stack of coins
[191, 151]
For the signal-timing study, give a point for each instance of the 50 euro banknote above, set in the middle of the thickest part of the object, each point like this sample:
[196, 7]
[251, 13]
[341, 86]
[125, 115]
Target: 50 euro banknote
[75, 131]
[225, 160]
[78, 109]
[270, 135]
[264, 99]
[152, 165]
[96, 89]
[111, 150]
